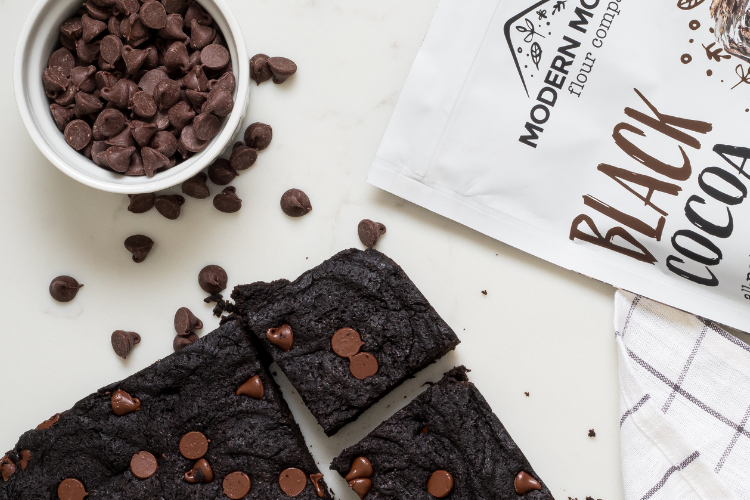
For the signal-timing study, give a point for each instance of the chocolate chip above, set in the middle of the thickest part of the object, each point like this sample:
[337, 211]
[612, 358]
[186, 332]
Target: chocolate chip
[72, 28]
[221, 172]
[143, 104]
[111, 48]
[142, 132]
[282, 337]
[123, 342]
[206, 126]
[124, 139]
[196, 79]
[281, 68]
[7, 468]
[592, 433]
[259, 70]
[363, 365]
[524, 483]
[196, 187]
[193, 445]
[361, 468]
[91, 28]
[25, 458]
[123, 403]
[62, 115]
[110, 122]
[143, 465]
[253, 388]
[236, 485]
[196, 12]
[258, 135]
[369, 232]
[292, 481]
[148, 82]
[190, 142]
[54, 81]
[77, 134]
[49, 422]
[140, 246]
[295, 203]
[200, 36]
[212, 279]
[243, 157]
[425, 430]
[134, 58]
[119, 95]
[153, 15]
[315, 479]
[141, 203]
[176, 6]
[346, 342]
[166, 94]
[440, 484]
[71, 489]
[361, 486]
[181, 342]
[227, 201]
[169, 205]
[64, 288]
[227, 82]
[173, 28]
[201, 472]
[117, 158]
[126, 7]
[165, 143]
[62, 60]
[215, 56]
[180, 115]
[219, 102]
[87, 104]
[185, 321]
[83, 78]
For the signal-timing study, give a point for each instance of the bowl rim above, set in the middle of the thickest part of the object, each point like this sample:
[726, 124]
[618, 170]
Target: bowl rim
[231, 126]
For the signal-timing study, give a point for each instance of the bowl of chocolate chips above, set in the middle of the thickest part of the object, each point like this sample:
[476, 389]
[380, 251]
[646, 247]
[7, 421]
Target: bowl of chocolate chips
[131, 96]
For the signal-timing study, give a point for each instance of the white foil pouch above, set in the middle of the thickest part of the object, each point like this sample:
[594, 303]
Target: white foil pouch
[611, 138]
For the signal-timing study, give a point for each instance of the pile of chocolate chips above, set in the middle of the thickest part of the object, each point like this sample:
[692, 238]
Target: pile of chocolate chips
[137, 86]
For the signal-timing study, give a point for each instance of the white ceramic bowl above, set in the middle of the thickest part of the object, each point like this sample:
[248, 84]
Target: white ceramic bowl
[39, 37]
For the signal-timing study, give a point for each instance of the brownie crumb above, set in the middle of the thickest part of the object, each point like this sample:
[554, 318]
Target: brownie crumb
[527, 394]
[592, 433]
[484, 292]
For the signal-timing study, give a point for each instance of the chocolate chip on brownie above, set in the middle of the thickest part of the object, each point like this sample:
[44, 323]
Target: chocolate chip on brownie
[282, 337]
[140, 246]
[295, 203]
[64, 288]
[524, 483]
[143, 465]
[200, 473]
[193, 445]
[123, 342]
[440, 484]
[253, 388]
[123, 403]
[292, 481]
[236, 485]
[71, 489]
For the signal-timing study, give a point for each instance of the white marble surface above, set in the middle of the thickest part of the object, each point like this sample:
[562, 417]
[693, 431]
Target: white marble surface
[539, 329]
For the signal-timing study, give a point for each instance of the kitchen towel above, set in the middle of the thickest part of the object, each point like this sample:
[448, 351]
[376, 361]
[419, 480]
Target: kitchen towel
[685, 403]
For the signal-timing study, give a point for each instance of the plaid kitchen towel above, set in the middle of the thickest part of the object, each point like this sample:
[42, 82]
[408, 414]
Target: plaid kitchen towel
[685, 401]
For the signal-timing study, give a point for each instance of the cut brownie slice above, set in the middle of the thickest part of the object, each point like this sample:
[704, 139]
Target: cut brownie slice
[346, 332]
[446, 443]
[207, 412]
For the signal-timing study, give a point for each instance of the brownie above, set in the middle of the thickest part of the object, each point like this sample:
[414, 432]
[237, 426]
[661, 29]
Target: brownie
[448, 428]
[387, 328]
[191, 391]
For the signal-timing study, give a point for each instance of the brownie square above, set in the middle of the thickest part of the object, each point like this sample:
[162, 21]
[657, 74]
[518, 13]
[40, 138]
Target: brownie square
[448, 428]
[193, 390]
[360, 290]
